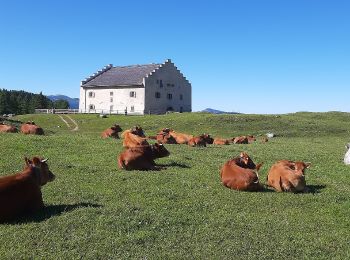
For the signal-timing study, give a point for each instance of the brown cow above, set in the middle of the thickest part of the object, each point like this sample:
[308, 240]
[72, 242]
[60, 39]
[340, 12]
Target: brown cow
[179, 137]
[164, 138]
[142, 158]
[288, 176]
[132, 140]
[240, 140]
[7, 128]
[241, 174]
[31, 128]
[220, 141]
[20, 193]
[251, 139]
[198, 141]
[111, 132]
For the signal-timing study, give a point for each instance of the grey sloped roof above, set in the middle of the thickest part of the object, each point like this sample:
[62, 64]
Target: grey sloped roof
[122, 76]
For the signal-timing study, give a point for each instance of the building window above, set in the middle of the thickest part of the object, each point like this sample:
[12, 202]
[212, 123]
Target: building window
[181, 109]
[91, 106]
[91, 94]
[157, 95]
[157, 81]
[111, 99]
[181, 97]
[132, 109]
[133, 94]
[160, 83]
[170, 96]
[111, 108]
[170, 85]
[111, 93]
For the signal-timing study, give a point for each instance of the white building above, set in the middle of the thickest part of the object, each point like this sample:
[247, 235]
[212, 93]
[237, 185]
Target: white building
[137, 89]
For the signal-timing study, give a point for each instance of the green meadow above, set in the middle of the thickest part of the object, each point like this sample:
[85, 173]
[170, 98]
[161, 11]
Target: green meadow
[96, 211]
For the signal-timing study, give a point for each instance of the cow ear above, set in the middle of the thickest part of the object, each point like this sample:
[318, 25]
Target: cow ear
[307, 165]
[28, 162]
[259, 166]
[241, 155]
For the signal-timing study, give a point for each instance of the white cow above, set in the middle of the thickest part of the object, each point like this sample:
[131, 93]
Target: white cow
[347, 155]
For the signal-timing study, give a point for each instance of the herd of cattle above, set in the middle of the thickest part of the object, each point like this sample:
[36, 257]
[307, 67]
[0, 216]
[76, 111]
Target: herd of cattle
[21, 192]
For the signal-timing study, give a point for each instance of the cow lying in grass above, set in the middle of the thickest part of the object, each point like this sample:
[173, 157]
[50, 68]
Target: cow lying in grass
[20, 193]
[220, 141]
[134, 137]
[7, 128]
[180, 138]
[142, 158]
[288, 176]
[241, 174]
[347, 155]
[164, 138]
[31, 128]
[111, 132]
[200, 141]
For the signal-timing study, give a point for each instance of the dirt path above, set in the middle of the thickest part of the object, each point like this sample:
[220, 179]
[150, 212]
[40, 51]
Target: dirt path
[76, 128]
[68, 125]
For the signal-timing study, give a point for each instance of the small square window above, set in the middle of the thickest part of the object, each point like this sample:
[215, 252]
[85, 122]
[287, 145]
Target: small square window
[111, 99]
[91, 94]
[132, 109]
[157, 95]
[170, 96]
[111, 93]
[92, 106]
[133, 94]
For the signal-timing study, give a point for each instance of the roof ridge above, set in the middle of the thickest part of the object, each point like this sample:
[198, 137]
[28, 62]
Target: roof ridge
[98, 73]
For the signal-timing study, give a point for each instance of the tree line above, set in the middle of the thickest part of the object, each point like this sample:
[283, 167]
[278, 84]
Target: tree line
[22, 102]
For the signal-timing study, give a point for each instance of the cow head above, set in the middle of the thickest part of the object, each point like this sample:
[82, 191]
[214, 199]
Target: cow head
[45, 175]
[159, 151]
[299, 167]
[116, 128]
[137, 130]
[169, 139]
[167, 130]
[246, 162]
[207, 138]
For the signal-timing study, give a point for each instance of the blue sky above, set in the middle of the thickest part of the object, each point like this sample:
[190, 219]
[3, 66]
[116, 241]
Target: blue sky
[249, 56]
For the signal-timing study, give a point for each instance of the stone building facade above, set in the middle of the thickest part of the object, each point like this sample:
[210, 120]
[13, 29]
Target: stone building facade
[136, 89]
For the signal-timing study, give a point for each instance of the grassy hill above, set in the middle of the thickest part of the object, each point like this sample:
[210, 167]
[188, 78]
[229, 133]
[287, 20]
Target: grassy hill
[96, 211]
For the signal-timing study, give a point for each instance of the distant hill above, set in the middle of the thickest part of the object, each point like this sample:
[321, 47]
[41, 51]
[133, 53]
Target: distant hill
[73, 102]
[214, 111]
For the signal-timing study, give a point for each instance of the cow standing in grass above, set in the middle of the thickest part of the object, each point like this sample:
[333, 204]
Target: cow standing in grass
[287, 176]
[31, 128]
[241, 174]
[20, 193]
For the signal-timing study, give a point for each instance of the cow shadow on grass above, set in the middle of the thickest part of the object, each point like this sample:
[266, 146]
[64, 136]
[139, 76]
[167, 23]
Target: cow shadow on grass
[309, 189]
[174, 164]
[51, 211]
[314, 188]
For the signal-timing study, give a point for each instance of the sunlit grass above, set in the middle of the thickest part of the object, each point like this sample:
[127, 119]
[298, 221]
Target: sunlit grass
[94, 210]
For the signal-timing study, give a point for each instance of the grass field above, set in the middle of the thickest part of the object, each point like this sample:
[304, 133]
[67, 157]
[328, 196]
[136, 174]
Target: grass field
[96, 211]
